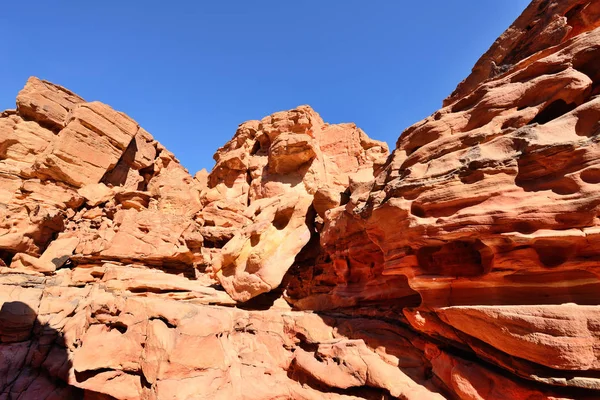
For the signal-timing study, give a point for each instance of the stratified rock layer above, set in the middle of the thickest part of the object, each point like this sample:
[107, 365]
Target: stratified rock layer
[310, 263]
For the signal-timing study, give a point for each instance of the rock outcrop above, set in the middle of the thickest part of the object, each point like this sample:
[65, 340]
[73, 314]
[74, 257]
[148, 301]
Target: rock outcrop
[310, 263]
[272, 177]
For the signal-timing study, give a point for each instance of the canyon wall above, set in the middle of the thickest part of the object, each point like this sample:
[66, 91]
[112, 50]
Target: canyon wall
[312, 263]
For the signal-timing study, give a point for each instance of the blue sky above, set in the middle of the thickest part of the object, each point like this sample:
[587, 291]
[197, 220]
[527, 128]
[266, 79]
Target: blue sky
[191, 71]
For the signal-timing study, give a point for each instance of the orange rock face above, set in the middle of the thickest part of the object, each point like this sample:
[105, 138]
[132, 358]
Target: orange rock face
[276, 173]
[310, 263]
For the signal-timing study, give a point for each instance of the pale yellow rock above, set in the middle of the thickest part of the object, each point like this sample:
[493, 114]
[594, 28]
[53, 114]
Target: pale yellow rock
[96, 193]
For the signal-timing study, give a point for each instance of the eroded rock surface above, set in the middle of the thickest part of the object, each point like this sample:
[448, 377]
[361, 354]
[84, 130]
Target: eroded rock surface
[493, 200]
[275, 173]
[310, 263]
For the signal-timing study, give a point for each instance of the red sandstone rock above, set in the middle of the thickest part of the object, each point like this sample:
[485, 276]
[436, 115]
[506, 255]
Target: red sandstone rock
[439, 272]
[46, 103]
[560, 337]
[492, 199]
[280, 168]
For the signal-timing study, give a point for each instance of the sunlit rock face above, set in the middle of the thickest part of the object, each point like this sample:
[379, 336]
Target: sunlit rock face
[487, 210]
[493, 199]
[271, 179]
[310, 263]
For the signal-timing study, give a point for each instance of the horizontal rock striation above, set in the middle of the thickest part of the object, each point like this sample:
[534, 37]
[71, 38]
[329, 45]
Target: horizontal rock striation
[487, 210]
[311, 263]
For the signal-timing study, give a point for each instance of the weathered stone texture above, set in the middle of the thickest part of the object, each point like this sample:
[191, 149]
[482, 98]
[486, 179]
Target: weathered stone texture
[310, 263]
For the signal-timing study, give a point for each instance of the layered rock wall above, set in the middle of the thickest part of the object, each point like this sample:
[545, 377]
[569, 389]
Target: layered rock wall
[310, 263]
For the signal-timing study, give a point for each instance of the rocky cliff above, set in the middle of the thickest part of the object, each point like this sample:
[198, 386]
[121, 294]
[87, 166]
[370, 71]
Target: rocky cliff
[311, 263]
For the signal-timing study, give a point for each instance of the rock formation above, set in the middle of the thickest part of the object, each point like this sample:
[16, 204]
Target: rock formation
[310, 263]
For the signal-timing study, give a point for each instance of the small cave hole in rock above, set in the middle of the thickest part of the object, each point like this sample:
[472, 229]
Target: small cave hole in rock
[459, 258]
[525, 227]
[164, 320]
[345, 197]
[586, 62]
[591, 175]
[119, 326]
[261, 302]
[86, 375]
[552, 111]
[417, 210]
[216, 242]
[282, 218]
[254, 239]
[553, 253]
[255, 148]
[511, 123]
[588, 122]
[565, 186]
[146, 174]
[6, 257]
[471, 176]
[411, 150]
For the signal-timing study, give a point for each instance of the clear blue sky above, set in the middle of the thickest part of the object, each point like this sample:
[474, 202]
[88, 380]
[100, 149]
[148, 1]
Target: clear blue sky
[190, 71]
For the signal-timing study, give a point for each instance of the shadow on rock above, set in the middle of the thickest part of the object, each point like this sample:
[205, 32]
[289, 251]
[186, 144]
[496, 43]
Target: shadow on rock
[34, 362]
